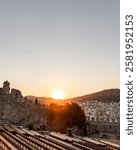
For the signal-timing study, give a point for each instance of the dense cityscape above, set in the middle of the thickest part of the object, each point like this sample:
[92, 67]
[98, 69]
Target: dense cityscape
[84, 118]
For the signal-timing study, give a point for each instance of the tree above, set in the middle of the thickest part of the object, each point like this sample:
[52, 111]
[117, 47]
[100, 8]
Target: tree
[76, 116]
[36, 101]
[62, 117]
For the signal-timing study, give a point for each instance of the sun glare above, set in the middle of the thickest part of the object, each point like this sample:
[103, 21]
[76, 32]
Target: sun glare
[58, 94]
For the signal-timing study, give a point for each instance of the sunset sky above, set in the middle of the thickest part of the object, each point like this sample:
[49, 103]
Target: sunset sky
[73, 45]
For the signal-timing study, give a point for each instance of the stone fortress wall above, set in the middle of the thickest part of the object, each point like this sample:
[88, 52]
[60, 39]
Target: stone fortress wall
[16, 109]
[104, 125]
[10, 95]
[102, 117]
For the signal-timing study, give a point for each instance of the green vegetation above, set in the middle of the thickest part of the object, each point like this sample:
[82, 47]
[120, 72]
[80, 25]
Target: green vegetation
[64, 117]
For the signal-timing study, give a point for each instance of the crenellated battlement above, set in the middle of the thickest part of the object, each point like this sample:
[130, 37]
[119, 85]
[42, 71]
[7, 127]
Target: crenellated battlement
[94, 120]
[103, 125]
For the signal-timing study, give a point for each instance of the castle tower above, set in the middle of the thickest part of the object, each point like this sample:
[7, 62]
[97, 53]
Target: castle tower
[6, 87]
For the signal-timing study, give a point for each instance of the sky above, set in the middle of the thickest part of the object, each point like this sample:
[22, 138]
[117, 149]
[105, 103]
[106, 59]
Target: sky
[73, 45]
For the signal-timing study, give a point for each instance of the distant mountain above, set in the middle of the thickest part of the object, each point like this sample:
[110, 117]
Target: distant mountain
[109, 95]
[42, 100]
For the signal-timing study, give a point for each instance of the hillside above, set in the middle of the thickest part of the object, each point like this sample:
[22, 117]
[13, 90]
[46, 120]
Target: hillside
[109, 95]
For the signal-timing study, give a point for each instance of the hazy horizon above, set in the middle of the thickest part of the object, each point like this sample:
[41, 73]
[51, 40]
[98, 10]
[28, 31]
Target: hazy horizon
[69, 45]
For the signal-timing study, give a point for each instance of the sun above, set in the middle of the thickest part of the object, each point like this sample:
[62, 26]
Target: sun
[58, 94]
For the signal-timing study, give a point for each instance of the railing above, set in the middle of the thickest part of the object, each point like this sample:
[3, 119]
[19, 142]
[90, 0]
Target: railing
[28, 141]
[4, 146]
